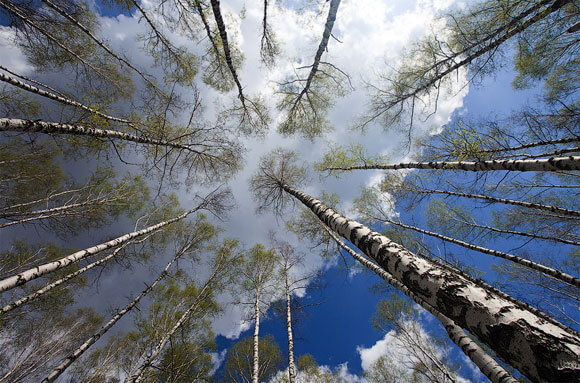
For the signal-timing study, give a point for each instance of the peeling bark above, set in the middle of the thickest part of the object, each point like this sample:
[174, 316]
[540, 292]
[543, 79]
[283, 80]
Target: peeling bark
[540, 349]
[541, 165]
[488, 366]
[29, 126]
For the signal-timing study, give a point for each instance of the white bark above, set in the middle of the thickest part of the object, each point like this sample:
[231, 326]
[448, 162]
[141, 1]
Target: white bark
[541, 165]
[468, 58]
[256, 356]
[529, 205]
[215, 5]
[15, 11]
[58, 370]
[46, 213]
[488, 366]
[291, 364]
[138, 376]
[321, 48]
[564, 277]
[29, 126]
[28, 275]
[540, 349]
[52, 96]
[56, 283]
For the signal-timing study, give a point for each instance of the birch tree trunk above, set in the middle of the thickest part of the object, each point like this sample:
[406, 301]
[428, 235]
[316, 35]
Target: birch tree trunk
[547, 164]
[487, 365]
[291, 364]
[321, 48]
[520, 233]
[215, 6]
[28, 275]
[55, 97]
[29, 126]
[256, 359]
[58, 370]
[57, 283]
[530, 205]
[540, 349]
[566, 140]
[46, 213]
[564, 277]
[138, 376]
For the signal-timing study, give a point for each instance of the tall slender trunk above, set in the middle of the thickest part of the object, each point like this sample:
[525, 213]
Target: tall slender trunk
[291, 364]
[564, 277]
[58, 282]
[29, 126]
[215, 6]
[256, 359]
[540, 349]
[138, 376]
[38, 271]
[488, 366]
[33, 81]
[520, 233]
[61, 99]
[530, 205]
[547, 164]
[321, 48]
[45, 213]
[566, 140]
[58, 370]
[101, 44]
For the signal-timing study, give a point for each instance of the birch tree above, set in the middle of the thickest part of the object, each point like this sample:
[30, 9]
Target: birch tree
[212, 202]
[52, 45]
[258, 284]
[199, 306]
[289, 260]
[472, 39]
[435, 283]
[249, 114]
[94, 204]
[238, 365]
[307, 100]
[427, 362]
[62, 366]
[32, 345]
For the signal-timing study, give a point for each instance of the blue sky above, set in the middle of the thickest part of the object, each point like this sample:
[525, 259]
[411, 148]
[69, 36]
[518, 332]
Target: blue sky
[372, 34]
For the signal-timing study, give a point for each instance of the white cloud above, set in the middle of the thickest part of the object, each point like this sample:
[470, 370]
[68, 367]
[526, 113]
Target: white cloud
[11, 56]
[217, 358]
